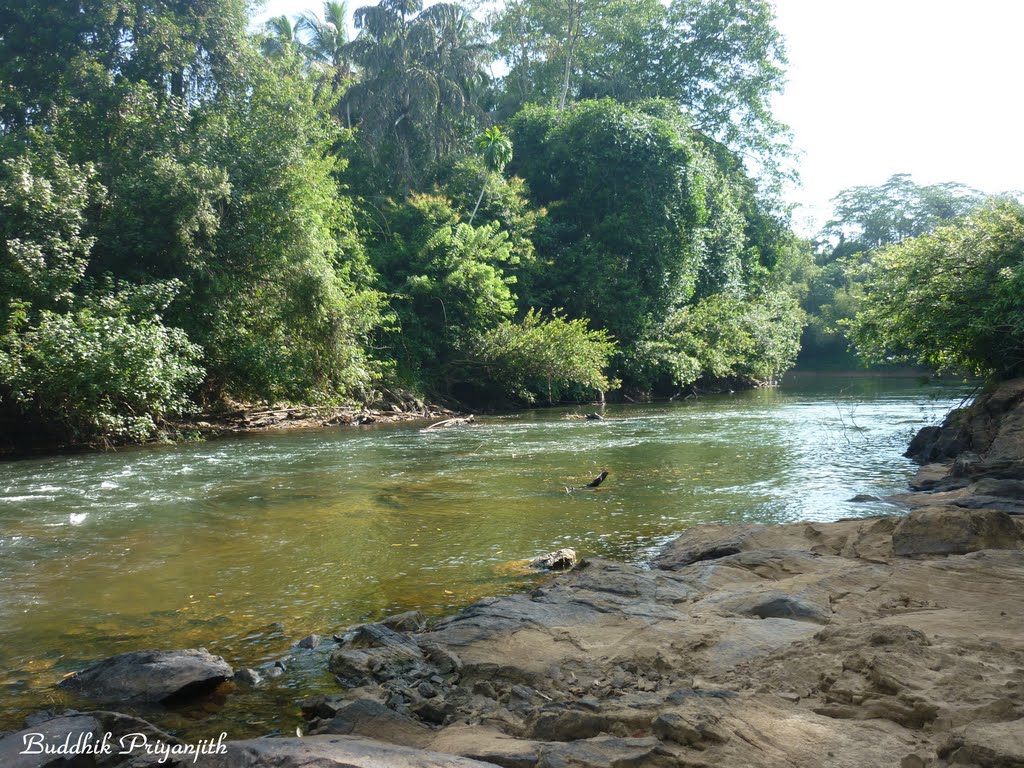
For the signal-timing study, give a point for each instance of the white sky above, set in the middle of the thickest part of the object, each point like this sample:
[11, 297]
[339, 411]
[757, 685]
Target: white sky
[877, 87]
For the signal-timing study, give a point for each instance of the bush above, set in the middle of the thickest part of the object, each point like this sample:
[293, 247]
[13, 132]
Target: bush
[544, 356]
[103, 370]
[725, 336]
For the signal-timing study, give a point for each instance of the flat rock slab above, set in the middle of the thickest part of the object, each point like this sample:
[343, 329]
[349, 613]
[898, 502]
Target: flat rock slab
[150, 677]
[954, 531]
[325, 752]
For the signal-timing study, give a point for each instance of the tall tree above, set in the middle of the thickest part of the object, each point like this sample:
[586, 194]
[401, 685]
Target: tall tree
[496, 150]
[420, 71]
[869, 217]
[280, 38]
[719, 60]
[328, 40]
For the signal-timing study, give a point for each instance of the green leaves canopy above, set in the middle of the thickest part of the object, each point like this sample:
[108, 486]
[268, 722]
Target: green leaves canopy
[952, 299]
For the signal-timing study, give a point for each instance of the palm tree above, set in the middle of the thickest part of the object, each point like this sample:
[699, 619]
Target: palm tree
[280, 40]
[327, 46]
[328, 38]
[419, 69]
[496, 150]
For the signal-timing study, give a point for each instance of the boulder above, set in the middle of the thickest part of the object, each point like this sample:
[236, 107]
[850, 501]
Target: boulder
[150, 677]
[990, 745]
[559, 560]
[83, 740]
[954, 531]
[371, 719]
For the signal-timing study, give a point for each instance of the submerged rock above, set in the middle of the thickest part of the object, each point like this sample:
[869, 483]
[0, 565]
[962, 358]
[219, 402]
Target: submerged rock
[150, 677]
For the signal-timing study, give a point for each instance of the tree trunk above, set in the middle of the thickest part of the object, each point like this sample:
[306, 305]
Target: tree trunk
[483, 188]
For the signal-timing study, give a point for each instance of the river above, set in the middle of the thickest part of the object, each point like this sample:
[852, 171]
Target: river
[246, 545]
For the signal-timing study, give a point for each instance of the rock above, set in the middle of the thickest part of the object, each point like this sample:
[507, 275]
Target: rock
[687, 730]
[776, 605]
[410, 621]
[371, 719]
[559, 560]
[989, 486]
[435, 710]
[954, 531]
[309, 642]
[150, 677]
[931, 476]
[450, 423]
[329, 752]
[83, 738]
[863, 498]
[704, 542]
[248, 677]
[595, 417]
[567, 725]
[990, 745]
[323, 706]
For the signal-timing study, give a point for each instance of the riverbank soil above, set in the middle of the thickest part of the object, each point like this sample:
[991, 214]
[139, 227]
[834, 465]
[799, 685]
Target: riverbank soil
[895, 641]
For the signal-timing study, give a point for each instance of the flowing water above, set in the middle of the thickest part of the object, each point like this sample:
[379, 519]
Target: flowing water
[246, 545]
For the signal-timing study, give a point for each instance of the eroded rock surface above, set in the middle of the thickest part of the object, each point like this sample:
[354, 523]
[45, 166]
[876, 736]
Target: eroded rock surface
[792, 645]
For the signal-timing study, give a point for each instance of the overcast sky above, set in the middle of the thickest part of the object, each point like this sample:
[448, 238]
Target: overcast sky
[877, 87]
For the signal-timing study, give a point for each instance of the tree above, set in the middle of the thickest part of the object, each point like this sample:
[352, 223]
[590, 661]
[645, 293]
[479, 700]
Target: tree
[449, 283]
[92, 362]
[951, 299]
[646, 218]
[721, 61]
[865, 219]
[543, 356]
[419, 73]
[496, 150]
[280, 40]
[869, 217]
[328, 41]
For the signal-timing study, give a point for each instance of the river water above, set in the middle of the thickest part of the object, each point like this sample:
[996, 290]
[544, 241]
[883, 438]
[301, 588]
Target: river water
[246, 545]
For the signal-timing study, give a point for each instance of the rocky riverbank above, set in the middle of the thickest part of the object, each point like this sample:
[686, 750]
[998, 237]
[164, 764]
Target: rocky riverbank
[895, 641]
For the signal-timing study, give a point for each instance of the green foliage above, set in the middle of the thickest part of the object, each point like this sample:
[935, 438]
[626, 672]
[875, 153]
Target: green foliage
[542, 356]
[624, 198]
[952, 299]
[106, 370]
[646, 218]
[719, 60]
[865, 219]
[726, 337]
[870, 217]
[449, 283]
[415, 101]
[174, 189]
[289, 308]
[43, 249]
[96, 359]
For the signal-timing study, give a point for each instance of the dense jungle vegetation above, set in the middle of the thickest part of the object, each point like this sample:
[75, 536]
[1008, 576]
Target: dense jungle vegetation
[193, 212]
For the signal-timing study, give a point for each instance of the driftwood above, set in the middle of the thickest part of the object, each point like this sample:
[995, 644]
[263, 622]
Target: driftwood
[458, 421]
[592, 484]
